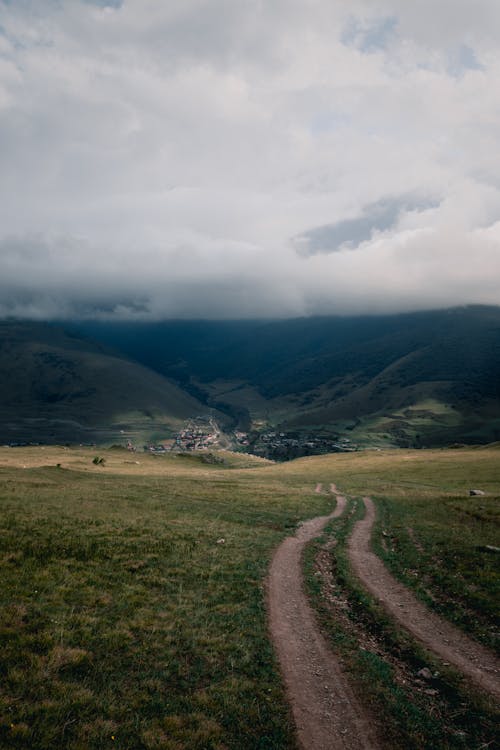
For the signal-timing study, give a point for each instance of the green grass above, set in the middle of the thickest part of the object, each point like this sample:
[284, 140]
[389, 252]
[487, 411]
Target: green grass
[448, 565]
[123, 617]
[383, 662]
[124, 623]
[435, 534]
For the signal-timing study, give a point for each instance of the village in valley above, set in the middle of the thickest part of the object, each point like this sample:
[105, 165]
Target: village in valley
[200, 433]
[203, 433]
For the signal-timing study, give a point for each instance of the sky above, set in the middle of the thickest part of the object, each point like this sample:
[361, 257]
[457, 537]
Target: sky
[248, 158]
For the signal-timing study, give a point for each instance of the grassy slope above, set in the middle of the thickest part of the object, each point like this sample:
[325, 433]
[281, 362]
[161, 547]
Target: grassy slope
[335, 372]
[435, 534]
[123, 617]
[53, 384]
[384, 662]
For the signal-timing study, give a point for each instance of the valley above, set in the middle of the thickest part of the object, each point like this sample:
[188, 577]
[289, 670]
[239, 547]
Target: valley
[314, 384]
[409, 380]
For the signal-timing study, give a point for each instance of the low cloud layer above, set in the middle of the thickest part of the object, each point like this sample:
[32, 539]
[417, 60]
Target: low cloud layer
[207, 158]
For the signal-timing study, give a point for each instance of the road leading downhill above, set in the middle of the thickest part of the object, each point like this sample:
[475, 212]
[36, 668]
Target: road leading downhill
[326, 713]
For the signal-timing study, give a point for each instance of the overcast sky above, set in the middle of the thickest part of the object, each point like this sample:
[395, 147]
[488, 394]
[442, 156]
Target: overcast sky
[240, 158]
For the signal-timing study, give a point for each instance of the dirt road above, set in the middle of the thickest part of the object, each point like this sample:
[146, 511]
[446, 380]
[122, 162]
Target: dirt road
[478, 664]
[326, 712]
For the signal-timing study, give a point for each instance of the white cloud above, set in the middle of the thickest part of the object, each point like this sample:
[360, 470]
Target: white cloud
[160, 158]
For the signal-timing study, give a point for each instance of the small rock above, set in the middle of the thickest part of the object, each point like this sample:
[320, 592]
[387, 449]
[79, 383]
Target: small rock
[425, 673]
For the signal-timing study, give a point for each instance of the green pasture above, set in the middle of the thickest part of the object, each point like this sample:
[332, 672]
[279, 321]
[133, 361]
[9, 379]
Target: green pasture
[431, 533]
[132, 605]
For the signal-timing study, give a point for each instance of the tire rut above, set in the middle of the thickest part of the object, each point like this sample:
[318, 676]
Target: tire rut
[439, 636]
[327, 715]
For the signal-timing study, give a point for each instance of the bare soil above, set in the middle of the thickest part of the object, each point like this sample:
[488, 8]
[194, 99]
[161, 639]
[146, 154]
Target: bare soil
[326, 712]
[448, 642]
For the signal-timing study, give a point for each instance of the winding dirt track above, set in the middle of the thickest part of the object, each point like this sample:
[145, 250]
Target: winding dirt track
[473, 660]
[326, 713]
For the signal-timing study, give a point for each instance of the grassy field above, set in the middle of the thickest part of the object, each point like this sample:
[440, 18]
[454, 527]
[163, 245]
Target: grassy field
[133, 604]
[435, 538]
[126, 621]
[384, 662]
[430, 532]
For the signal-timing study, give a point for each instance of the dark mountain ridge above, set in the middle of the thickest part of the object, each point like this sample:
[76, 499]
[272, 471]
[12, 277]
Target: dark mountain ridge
[427, 378]
[57, 385]
[319, 372]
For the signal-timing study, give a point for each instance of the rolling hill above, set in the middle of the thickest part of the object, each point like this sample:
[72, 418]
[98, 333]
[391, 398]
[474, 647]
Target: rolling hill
[419, 379]
[428, 378]
[59, 386]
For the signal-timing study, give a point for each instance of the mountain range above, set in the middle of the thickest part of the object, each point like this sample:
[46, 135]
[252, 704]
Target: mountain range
[415, 379]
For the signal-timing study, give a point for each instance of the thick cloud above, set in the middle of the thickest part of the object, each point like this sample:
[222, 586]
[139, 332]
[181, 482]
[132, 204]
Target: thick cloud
[219, 158]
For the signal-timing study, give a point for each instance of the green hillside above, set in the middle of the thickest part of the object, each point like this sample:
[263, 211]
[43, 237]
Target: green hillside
[413, 379]
[59, 386]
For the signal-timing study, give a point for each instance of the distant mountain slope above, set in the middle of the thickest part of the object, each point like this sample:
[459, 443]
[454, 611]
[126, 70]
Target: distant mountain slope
[56, 385]
[419, 378]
